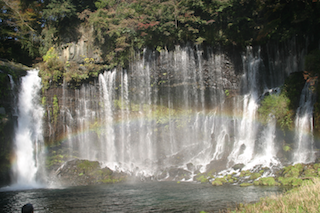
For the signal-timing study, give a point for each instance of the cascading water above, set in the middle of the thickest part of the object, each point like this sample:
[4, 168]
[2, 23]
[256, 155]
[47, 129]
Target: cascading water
[254, 144]
[175, 111]
[304, 141]
[28, 138]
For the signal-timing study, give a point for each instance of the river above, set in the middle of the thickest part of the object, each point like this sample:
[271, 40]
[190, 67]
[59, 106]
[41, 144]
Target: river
[134, 197]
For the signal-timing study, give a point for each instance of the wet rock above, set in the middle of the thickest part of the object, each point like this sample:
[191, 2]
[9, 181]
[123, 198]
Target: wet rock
[84, 172]
[179, 174]
[190, 167]
[245, 184]
[219, 181]
[266, 181]
[238, 166]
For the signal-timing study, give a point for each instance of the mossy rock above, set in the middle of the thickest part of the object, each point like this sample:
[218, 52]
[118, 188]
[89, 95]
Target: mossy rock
[310, 173]
[266, 181]
[296, 182]
[245, 173]
[228, 177]
[255, 176]
[285, 181]
[245, 184]
[111, 180]
[316, 166]
[261, 172]
[290, 181]
[202, 178]
[293, 171]
[88, 166]
[219, 181]
[211, 173]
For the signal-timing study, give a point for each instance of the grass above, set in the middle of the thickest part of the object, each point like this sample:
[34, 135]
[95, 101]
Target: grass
[305, 198]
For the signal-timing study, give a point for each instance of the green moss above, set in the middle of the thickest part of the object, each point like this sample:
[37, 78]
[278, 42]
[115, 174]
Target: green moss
[88, 166]
[266, 181]
[310, 173]
[202, 178]
[277, 105]
[56, 159]
[286, 148]
[255, 176]
[219, 181]
[290, 181]
[245, 173]
[293, 170]
[296, 182]
[245, 184]
[316, 166]
[112, 180]
[55, 108]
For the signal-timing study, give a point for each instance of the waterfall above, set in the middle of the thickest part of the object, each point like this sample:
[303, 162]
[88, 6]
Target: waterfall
[249, 148]
[28, 138]
[304, 141]
[186, 109]
[13, 86]
[108, 144]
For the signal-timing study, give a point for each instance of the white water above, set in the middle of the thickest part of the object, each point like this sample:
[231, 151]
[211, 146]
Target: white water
[304, 141]
[146, 122]
[28, 139]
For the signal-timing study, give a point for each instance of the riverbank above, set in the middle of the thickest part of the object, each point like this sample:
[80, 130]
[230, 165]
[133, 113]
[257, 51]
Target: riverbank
[305, 198]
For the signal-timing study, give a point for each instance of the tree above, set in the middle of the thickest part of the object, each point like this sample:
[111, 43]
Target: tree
[21, 21]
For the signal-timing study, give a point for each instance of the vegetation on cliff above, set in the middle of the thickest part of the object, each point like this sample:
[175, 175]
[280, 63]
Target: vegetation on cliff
[283, 105]
[125, 26]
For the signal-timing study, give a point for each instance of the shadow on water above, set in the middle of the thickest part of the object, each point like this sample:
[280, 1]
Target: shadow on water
[139, 197]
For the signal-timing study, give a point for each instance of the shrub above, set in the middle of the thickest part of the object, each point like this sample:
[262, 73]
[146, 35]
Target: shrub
[278, 106]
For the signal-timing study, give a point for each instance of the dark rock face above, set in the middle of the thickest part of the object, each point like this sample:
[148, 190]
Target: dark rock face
[84, 172]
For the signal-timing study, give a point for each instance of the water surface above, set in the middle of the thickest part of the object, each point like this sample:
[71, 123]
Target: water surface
[138, 197]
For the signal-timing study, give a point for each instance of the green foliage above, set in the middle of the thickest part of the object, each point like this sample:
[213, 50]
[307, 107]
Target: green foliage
[227, 93]
[44, 101]
[55, 108]
[286, 148]
[125, 26]
[55, 159]
[277, 106]
[51, 56]
[51, 69]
